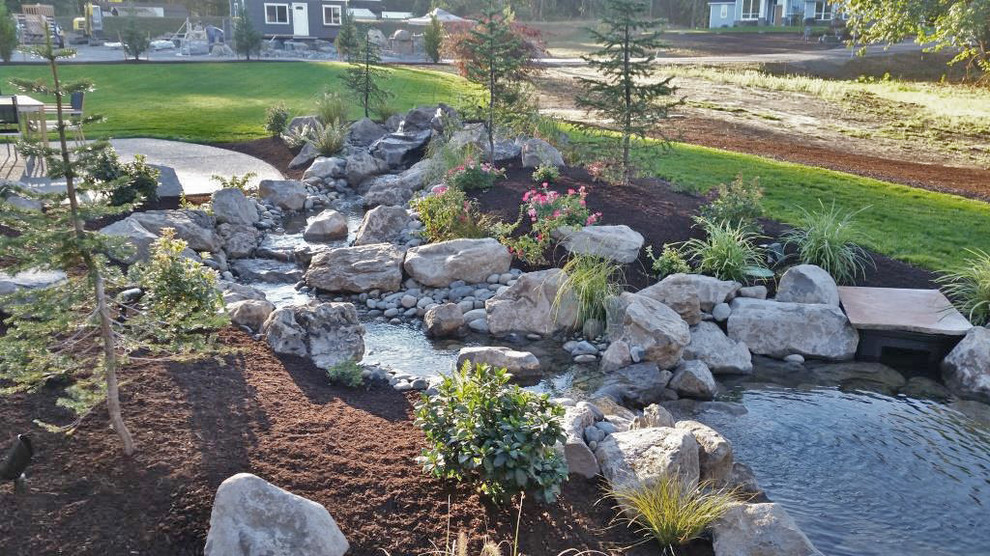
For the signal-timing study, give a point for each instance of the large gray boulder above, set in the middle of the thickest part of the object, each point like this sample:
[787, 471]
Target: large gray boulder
[388, 190]
[780, 329]
[714, 452]
[231, 206]
[401, 148]
[139, 240]
[29, 280]
[364, 132]
[251, 313]
[644, 322]
[647, 455]
[239, 240]
[580, 459]
[528, 306]
[193, 226]
[692, 379]
[506, 149]
[266, 270]
[537, 152]
[233, 292]
[361, 166]
[285, 194]
[618, 243]
[383, 224]
[252, 517]
[357, 269]
[712, 347]
[966, 370]
[760, 530]
[326, 168]
[807, 283]
[709, 291]
[326, 226]
[522, 364]
[307, 154]
[443, 320]
[470, 260]
[636, 385]
[327, 333]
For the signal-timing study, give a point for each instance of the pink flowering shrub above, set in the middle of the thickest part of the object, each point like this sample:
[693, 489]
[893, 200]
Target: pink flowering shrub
[447, 213]
[473, 175]
[548, 210]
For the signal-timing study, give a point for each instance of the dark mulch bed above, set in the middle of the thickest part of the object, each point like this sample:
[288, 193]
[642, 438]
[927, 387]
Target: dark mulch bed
[196, 424]
[270, 149]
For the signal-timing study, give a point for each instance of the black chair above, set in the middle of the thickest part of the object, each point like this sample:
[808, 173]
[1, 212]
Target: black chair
[10, 122]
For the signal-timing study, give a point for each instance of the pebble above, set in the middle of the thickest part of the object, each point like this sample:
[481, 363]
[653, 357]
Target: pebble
[492, 279]
[584, 348]
[586, 358]
[637, 353]
[606, 427]
[795, 358]
[534, 337]
[409, 301]
[593, 434]
[721, 312]
[479, 325]
[389, 313]
[570, 345]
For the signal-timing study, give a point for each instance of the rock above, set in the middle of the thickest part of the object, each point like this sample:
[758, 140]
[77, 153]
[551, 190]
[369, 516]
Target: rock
[470, 260]
[653, 416]
[401, 148]
[138, 238]
[528, 306]
[753, 292]
[966, 370]
[721, 312]
[252, 517]
[426, 118]
[386, 190]
[361, 166]
[636, 385]
[537, 152]
[714, 452]
[474, 134]
[807, 283]
[616, 356]
[712, 347]
[231, 206]
[780, 329]
[250, 312]
[297, 124]
[580, 459]
[306, 155]
[443, 320]
[327, 333]
[795, 358]
[239, 240]
[28, 280]
[642, 321]
[522, 364]
[364, 132]
[585, 359]
[326, 168]
[709, 291]
[592, 328]
[383, 224]
[647, 455]
[266, 270]
[192, 226]
[326, 226]
[744, 480]
[285, 194]
[692, 379]
[357, 269]
[234, 292]
[759, 530]
[618, 243]
[925, 388]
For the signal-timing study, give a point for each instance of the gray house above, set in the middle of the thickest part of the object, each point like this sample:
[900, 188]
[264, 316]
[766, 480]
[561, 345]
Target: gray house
[729, 13]
[307, 19]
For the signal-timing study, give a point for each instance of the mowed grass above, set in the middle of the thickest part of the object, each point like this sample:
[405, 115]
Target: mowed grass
[222, 102]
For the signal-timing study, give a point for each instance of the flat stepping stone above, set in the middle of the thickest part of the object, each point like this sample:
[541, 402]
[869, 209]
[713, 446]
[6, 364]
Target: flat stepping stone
[902, 310]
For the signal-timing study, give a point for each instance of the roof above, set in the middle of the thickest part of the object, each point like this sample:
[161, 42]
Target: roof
[442, 15]
[362, 14]
[396, 15]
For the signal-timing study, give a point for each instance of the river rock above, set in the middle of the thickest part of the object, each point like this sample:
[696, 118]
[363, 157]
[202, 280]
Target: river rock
[361, 166]
[616, 356]
[382, 224]
[192, 226]
[327, 333]
[285, 194]
[759, 530]
[266, 270]
[386, 190]
[714, 452]
[357, 269]
[779, 329]
[680, 288]
[233, 292]
[232, 206]
[251, 517]
[470, 260]
[643, 321]
[528, 306]
[326, 168]
[580, 459]
[692, 379]
[537, 152]
[138, 238]
[443, 320]
[712, 347]
[647, 455]
[364, 132]
[522, 364]
[618, 243]
[966, 370]
[807, 283]
[636, 385]
[239, 240]
[653, 416]
[326, 226]
[250, 312]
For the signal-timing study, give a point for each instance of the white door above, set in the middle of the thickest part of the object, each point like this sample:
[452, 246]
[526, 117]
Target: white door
[300, 19]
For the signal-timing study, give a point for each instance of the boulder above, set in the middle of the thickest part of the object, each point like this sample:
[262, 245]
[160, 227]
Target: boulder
[138, 238]
[285, 194]
[653, 416]
[326, 168]
[443, 320]
[470, 260]
[193, 226]
[616, 356]
[401, 148]
[307, 154]
[474, 134]
[233, 292]
[232, 206]
[364, 132]
[357, 269]
[522, 364]
[780, 329]
[692, 379]
[239, 240]
[712, 347]
[326, 226]
[618, 243]
[29, 280]
[643, 321]
[383, 224]
[537, 152]
[297, 124]
[266, 270]
[425, 118]
[361, 166]
[251, 517]
[647, 455]
[528, 306]
[714, 452]
[388, 190]
[251, 313]
[807, 283]
[327, 333]
[709, 291]
[966, 370]
[759, 530]
[636, 385]
[580, 459]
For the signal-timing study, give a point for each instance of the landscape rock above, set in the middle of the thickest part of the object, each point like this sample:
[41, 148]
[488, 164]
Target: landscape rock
[327, 333]
[966, 370]
[580, 459]
[285, 194]
[192, 226]
[779, 329]
[636, 385]
[307, 154]
[443, 321]
[470, 260]
[709, 291]
[357, 269]
[616, 356]
[760, 530]
[138, 238]
[753, 292]
[528, 306]
[714, 452]
[522, 364]
[653, 416]
[233, 292]
[647, 455]
[250, 312]
[239, 240]
[537, 152]
[364, 132]
[326, 226]
[643, 321]
[232, 206]
[712, 347]
[401, 148]
[692, 379]
[382, 224]
[361, 166]
[387, 190]
[618, 243]
[473, 134]
[266, 270]
[807, 283]
[297, 124]
[326, 168]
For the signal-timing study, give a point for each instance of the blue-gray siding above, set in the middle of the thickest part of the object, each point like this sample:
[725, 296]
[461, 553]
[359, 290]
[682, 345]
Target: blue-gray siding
[317, 28]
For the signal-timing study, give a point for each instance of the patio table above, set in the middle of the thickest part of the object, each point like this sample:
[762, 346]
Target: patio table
[31, 108]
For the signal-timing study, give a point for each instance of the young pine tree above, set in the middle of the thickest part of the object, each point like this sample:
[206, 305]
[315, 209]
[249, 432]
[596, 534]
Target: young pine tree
[8, 34]
[365, 73]
[247, 39]
[626, 93]
[346, 42]
[135, 41]
[433, 39]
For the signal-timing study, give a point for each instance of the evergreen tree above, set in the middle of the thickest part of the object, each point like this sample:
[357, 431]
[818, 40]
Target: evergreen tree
[134, 41]
[626, 93]
[362, 78]
[433, 39]
[347, 36]
[8, 34]
[247, 39]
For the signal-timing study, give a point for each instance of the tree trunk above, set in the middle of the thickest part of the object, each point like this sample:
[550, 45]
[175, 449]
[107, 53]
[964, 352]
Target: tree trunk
[627, 116]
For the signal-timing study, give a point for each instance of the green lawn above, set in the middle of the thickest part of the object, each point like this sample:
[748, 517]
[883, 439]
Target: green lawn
[222, 102]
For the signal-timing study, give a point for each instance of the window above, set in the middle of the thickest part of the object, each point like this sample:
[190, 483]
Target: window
[331, 15]
[277, 14]
[823, 11]
[725, 11]
[751, 10]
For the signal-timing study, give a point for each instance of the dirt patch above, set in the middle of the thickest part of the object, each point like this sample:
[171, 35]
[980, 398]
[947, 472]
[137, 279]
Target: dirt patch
[738, 44]
[270, 149]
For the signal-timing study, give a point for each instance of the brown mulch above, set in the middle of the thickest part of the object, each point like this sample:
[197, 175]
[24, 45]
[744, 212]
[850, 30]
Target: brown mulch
[270, 149]
[195, 424]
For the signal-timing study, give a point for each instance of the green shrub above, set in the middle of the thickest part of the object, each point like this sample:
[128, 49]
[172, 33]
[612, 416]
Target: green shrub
[444, 157]
[447, 213]
[827, 238]
[670, 261]
[728, 253]
[472, 175]
[234, 182]
[276, 118]
[382, 109]
[329, 139]
[592, 280]
[331, 109]
[298, 136]
[669, 511]
[968, 286]
[346, 373]
[738, 203]
[546, 173]
[481, 429]
[127, 183]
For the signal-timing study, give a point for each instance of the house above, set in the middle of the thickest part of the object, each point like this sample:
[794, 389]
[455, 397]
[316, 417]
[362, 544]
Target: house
[307, 19]
[729, 13]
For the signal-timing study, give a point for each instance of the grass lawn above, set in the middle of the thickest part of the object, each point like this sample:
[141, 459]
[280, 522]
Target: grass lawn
[222, 102]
